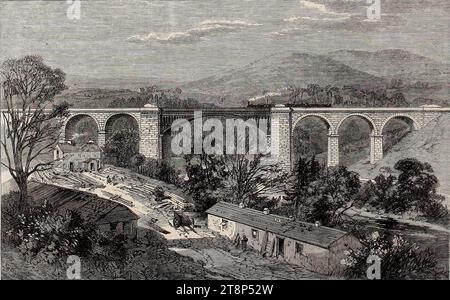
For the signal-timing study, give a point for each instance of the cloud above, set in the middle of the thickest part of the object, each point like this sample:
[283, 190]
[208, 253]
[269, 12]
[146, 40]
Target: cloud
[319, 13]
[332, 15]
[321, 8]
[387, 6]
[294, 31]
[316, 19]
[330, 10]
[193, 35]
[353, 23]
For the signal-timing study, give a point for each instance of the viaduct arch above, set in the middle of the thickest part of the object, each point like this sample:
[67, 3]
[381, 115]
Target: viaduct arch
[154, 122]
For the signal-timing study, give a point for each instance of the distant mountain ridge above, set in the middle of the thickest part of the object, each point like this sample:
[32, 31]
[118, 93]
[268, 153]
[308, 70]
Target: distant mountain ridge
[394, 63]
[274, 73]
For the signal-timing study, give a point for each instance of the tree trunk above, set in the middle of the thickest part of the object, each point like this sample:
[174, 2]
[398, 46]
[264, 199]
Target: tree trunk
[22, 183]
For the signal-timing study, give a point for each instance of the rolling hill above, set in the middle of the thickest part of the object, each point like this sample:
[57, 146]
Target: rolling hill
[274, 73]
[395, 63]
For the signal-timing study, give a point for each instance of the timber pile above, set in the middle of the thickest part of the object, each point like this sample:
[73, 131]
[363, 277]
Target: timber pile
[67, 179]
[143, 183]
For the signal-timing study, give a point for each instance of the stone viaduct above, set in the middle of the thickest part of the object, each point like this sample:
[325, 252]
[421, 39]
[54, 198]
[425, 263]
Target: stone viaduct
[153, 123]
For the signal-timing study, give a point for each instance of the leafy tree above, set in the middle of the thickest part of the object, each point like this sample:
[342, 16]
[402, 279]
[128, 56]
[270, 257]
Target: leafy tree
[250, 180]
[416, 183]
[204, 179]
[160, 170]
[296, 94]
[332, 92]
[122, 145]
[32, 123]
[333, 194]
[398, 99]
[384, 189]
[417, 189]
[305, 172]
[167, 98]
[313, 91]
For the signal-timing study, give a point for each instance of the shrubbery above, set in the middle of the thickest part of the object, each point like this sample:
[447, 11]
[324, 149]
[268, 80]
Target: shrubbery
[160, 170]
[322, 194]
[40, 234]
[399, 258]
[137, 160]
[205, 180]
[413, 190]
[122, 146]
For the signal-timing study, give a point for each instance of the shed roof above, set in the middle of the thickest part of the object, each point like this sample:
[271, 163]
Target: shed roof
[77, 148]
[91, 208]
[320, 236]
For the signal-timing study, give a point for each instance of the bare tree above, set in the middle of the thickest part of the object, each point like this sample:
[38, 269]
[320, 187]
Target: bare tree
[32, 123]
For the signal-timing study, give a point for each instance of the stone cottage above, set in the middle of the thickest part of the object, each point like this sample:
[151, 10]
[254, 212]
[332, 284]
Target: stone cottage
[314, 247]
[78, 157]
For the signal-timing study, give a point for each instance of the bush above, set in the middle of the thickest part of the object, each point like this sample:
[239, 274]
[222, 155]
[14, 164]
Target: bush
[400, 259]
[205, 180]
[40, 234]
[160, 170]
[434, 210]
[414, 190]
[9, 209]
[122, 145]
[137, 160]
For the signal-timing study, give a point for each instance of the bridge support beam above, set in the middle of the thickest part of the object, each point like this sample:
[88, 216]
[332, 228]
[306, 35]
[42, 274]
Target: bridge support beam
[149, 144]
[101, 138]
[376, 148]
[280, 138]
[333, 150]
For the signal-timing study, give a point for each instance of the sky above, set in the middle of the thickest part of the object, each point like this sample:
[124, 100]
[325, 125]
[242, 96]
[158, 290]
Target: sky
[183, 40]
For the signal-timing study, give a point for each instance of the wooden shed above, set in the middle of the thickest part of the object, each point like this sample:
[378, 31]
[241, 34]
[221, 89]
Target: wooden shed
[314, 247]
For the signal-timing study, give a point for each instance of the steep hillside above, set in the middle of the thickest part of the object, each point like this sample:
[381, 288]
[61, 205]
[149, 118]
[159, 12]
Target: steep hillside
[431, 144]
[275, 73]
